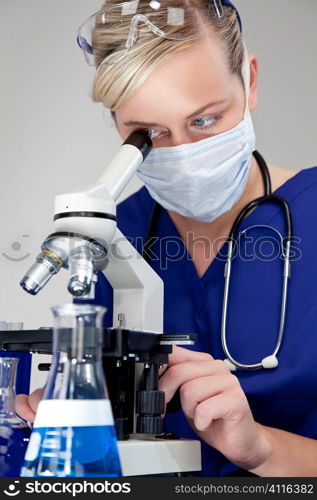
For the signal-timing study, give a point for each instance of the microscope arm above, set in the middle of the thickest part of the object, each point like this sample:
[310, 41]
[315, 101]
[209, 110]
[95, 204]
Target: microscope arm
[137, 289]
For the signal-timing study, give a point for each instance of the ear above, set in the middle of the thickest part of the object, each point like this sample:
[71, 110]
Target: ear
[254, 67]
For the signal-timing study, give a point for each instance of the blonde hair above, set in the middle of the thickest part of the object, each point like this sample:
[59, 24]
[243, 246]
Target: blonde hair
[115, 83]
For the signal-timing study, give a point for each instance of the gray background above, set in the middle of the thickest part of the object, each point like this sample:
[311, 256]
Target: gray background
[53, 137]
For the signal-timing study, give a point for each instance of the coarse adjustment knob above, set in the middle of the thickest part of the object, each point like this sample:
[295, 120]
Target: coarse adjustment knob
[150, 405]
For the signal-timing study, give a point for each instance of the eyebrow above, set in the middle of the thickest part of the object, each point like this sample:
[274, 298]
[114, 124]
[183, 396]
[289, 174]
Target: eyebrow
[133, 123]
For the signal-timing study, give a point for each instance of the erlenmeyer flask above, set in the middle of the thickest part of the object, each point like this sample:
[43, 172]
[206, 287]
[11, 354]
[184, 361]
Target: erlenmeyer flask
[73, 432]
[14, 432]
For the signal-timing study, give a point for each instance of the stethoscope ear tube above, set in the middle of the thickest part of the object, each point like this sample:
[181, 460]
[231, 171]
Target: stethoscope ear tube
[270, 361]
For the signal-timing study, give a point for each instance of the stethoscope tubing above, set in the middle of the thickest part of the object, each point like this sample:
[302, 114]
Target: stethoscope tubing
[286, 276]
[269, 361]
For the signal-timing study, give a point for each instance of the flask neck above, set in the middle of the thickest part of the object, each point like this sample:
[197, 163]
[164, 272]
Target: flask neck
[73, 378]
[78, 344]
[76, 371]
[8, 368]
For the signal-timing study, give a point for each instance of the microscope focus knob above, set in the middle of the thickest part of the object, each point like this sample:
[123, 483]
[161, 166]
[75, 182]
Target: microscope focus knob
[149, 425]
[150, 402]
[150, 405]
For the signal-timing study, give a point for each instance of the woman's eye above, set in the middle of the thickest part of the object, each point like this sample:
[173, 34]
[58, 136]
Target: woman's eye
[205, 121]
[156, 134]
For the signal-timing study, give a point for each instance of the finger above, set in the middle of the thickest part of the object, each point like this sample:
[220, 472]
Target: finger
[179, 374]
[201, 389]
[181, 355]
[162, 369]
[35, 398]
[23, 408]
[228, 406]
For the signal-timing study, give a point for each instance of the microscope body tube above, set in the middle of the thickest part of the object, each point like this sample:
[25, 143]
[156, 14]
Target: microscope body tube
[124, 165]
[101, 196]
[121, 169]
[96, 202]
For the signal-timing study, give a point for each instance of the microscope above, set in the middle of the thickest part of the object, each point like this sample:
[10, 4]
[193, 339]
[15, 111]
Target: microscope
[86, 243]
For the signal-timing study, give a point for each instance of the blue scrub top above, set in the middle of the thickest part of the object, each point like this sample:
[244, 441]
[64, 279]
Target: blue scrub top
[284, 397]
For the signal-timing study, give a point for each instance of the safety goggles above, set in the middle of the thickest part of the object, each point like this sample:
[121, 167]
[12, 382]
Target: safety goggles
[163, 18]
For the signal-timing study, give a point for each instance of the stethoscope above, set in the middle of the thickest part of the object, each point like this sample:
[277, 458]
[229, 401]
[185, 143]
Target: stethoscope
[270, 361]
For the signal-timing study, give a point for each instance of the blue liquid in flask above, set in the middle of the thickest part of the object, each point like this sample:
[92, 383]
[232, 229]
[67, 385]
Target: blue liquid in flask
[86, 451]
[13, 444]
[73, 433]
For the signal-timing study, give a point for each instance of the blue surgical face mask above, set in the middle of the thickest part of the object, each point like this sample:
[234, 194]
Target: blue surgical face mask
[204, 179]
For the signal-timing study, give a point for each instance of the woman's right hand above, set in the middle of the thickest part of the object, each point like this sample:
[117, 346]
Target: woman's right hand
[26, 406]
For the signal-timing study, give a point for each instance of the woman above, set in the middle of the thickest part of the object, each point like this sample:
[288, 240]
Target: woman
[187, 81]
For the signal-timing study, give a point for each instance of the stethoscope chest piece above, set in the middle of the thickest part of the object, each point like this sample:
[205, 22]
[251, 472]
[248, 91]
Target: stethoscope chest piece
[267, 363]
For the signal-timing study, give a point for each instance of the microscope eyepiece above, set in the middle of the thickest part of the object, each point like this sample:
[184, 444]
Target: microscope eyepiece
[140, 140]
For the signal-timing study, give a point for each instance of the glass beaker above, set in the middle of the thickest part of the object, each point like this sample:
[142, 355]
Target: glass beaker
[73, 433]
[14, 432]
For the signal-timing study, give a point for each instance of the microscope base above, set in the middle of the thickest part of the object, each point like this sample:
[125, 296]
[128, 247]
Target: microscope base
[152, 456]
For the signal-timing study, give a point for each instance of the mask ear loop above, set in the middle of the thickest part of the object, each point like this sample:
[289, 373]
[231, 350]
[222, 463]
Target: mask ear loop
[246, 80]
